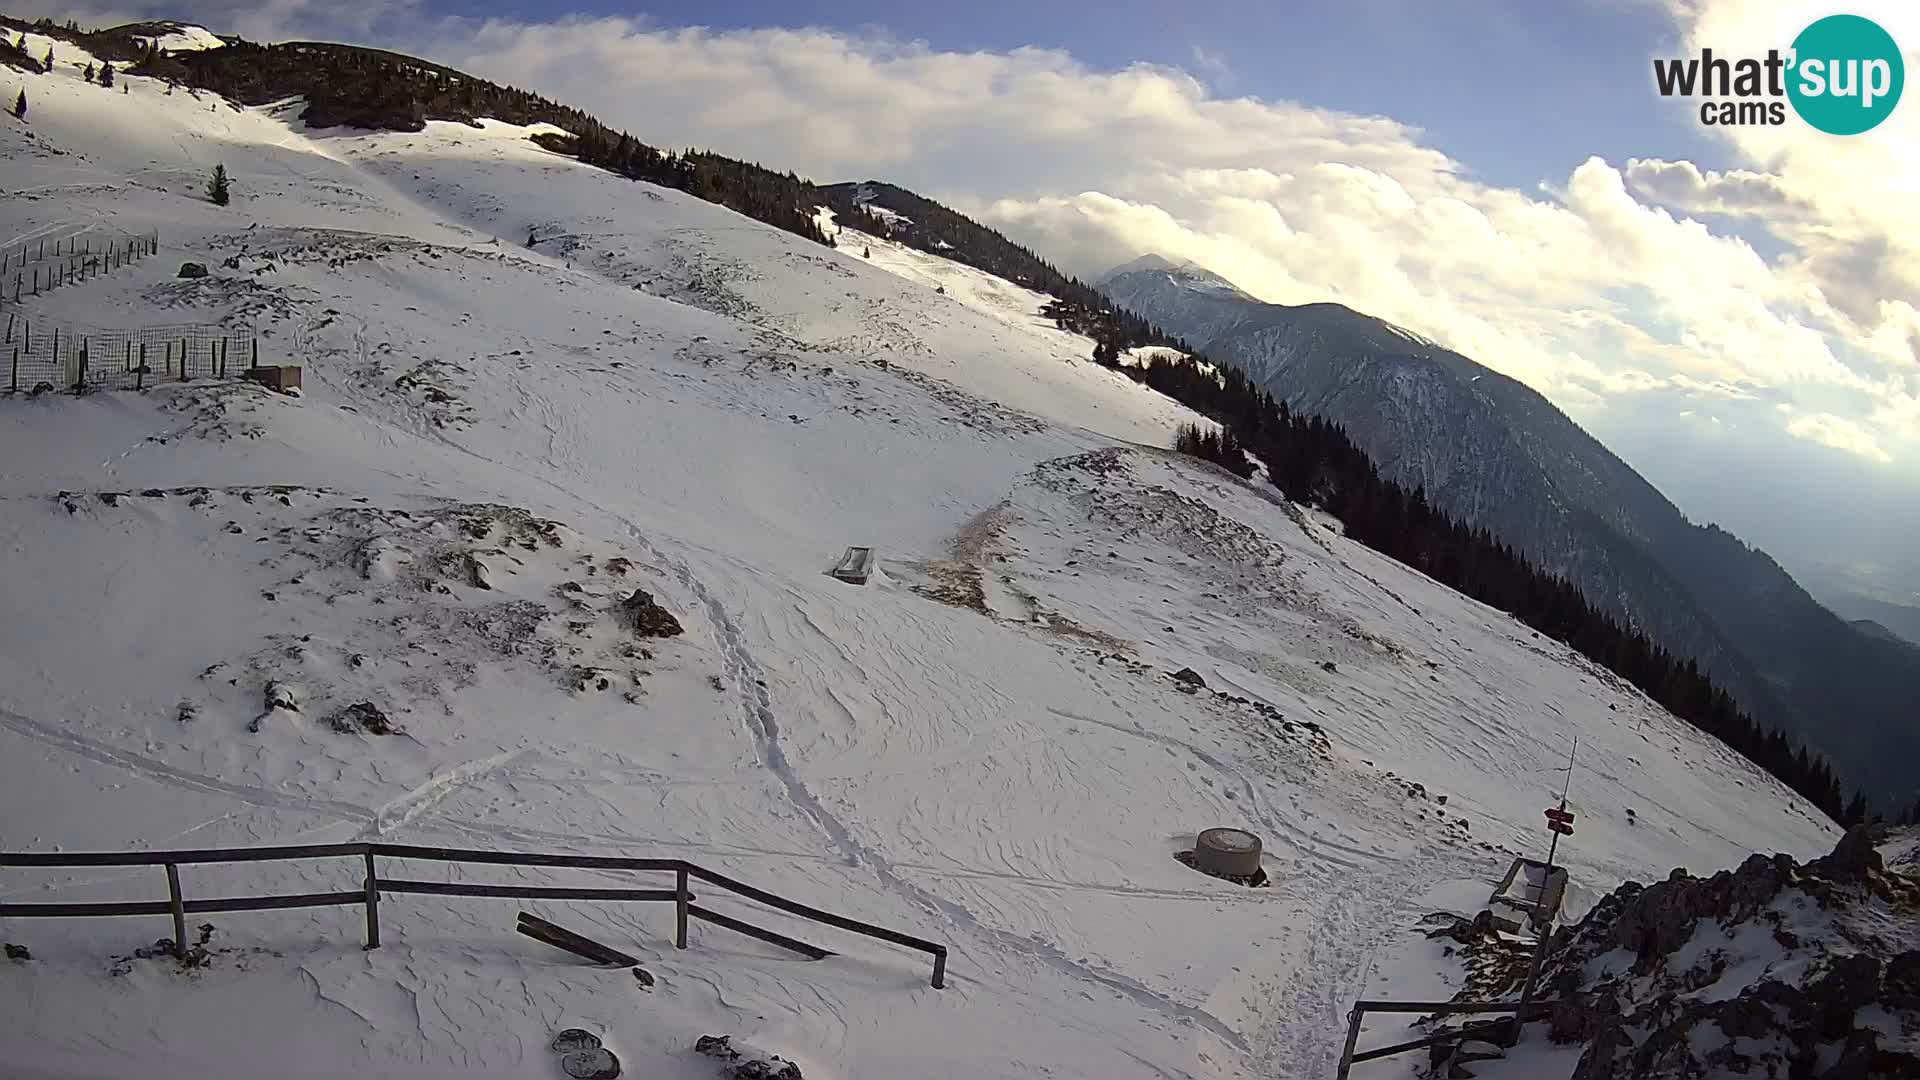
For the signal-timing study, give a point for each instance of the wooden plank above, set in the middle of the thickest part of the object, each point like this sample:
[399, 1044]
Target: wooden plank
[1452, 1006]
[814, 913]
[522, 892]
[1401, 1048]
[561, 938]
[523, 858]
[165, 907]
[179, 857]
[811, 952]
[274, 903]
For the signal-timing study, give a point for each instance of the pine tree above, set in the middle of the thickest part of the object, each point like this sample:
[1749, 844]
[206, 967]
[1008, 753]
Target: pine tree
[106, 75]
[48, 62]
[1856, 811]
[87, 72]
[217, 187]
[20, 104]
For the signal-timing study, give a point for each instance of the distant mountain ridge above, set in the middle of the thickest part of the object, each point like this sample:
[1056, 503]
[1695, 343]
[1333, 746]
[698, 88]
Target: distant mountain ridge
[1498, 454]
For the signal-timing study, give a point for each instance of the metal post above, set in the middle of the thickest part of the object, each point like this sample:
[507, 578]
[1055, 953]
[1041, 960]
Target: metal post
[373, 906]
[680, 908]
[940, 970]
[1353, 1039]
[179, 911]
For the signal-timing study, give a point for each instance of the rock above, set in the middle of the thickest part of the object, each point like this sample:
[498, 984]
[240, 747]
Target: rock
[1328, 665]
[646, 618]
[280, 695]
[1189, 676]
[187, 711]
[753, 1065]
[643, 977]
[18, 952]
[1853, 859]
[193, 270]
[363, 715]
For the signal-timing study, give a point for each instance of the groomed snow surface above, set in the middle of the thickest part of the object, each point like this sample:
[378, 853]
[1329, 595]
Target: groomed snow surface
[498, 443]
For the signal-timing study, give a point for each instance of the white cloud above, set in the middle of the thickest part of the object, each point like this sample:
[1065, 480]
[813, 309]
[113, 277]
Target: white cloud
[1839, 433]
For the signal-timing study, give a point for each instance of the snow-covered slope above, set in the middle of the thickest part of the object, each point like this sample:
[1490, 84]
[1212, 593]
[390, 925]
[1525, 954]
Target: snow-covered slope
[984, 746]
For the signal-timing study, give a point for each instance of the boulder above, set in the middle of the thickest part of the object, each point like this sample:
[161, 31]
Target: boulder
[193, 270]
[646, 618]
[1189, 677]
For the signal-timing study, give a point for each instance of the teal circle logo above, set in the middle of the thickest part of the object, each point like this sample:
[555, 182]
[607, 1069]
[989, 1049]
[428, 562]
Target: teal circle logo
[1846, 75]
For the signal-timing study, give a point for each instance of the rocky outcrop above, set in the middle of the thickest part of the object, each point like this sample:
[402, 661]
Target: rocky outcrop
[1773, 969]
[744, 1062]
[647, 618]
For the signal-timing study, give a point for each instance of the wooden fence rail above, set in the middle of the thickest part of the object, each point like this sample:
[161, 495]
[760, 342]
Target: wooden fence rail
[373, 885]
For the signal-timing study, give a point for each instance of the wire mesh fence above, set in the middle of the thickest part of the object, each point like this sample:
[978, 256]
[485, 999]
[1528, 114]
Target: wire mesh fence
[41, 356]
[40, 266]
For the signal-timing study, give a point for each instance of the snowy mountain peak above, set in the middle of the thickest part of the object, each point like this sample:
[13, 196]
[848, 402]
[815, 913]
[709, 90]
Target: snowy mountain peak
[1147, 263]
[1185, 276]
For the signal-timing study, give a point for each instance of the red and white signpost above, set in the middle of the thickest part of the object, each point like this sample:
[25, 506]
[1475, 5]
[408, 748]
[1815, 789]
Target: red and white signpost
[1560, 823]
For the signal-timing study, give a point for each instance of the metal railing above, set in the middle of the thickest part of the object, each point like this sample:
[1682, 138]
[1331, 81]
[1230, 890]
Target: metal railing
[373, 885]
[1349, 1057]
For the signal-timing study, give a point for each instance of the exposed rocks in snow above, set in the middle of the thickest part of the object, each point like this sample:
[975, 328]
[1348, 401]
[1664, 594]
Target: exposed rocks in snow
[1190, 679]
[187, 711]
[280, 699]
[746, 1062]
[361, 716]
[1773, 969]
[193, 270]
[646, 618]
[18, 952]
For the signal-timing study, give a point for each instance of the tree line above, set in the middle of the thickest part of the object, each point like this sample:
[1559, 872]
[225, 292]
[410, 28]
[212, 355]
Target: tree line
[353, 86]
[1312, 460]
[927, 226]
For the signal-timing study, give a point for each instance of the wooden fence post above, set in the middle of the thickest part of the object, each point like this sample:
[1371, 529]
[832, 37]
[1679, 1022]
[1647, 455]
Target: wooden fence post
[183, 359]
[940, 970]
[373, 905]
[179, 911]
[14, 388]
[140, 373]
[81, 383]
[256, 353]
[680, 908]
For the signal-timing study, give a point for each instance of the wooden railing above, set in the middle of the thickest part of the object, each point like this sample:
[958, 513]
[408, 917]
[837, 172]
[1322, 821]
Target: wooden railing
[373, 885]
